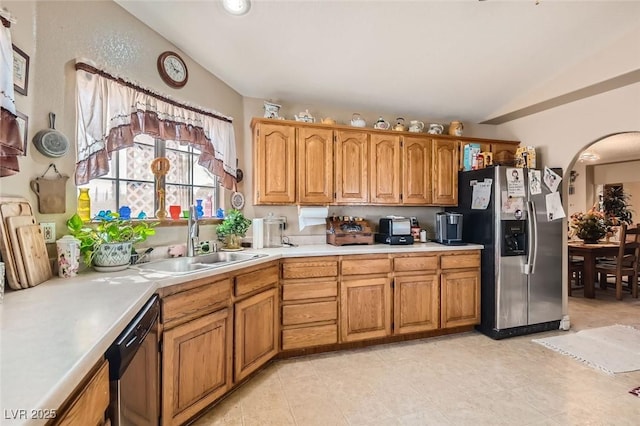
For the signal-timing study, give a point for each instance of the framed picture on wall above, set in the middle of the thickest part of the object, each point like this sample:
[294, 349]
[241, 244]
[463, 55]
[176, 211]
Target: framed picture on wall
[23, 124]
[20, 71]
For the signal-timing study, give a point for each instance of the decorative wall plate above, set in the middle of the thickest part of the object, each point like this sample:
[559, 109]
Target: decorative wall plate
[237, 200]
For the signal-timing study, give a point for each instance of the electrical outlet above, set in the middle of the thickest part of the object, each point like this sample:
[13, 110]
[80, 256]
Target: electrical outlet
[49, 232]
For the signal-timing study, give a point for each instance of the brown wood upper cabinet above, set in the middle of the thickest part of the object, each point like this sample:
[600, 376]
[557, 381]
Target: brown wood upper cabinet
[274, 160]
[416, 172]
[351, 156]
[445, 172]
[386, 172]
[318, 164]
[315, 165]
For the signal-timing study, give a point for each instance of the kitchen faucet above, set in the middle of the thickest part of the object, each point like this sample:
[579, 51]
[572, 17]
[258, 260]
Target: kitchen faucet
[193, 231]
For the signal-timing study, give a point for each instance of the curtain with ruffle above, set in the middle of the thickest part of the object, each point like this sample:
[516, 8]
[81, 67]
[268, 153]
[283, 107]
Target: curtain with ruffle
[11, 145]
[111, 111]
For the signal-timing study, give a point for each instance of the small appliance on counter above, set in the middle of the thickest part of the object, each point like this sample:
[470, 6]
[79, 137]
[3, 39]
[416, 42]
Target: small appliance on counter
[394, 231]
[449, 228]
[342, 231]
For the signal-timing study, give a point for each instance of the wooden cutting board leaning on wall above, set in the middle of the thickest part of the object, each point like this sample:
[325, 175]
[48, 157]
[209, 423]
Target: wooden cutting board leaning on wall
[13, 223]
[34, 254]
[11, 206]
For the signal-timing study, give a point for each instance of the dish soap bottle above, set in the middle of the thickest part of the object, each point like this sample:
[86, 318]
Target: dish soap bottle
[84, 205]
[208, 207]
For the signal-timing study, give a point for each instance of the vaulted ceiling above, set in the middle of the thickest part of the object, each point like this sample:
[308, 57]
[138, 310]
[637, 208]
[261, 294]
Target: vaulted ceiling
[435, 59]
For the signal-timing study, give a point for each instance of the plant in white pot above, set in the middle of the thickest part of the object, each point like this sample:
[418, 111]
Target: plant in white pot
[107, 245]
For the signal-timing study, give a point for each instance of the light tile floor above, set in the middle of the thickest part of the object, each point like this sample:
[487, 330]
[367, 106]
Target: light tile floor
[464, 379]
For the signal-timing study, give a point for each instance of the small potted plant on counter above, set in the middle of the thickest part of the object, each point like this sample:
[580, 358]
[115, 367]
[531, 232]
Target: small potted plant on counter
[232, 229]
[107, 245]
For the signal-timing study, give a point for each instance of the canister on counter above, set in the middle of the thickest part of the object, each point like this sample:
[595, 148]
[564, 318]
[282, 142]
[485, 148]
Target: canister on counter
[68, 249]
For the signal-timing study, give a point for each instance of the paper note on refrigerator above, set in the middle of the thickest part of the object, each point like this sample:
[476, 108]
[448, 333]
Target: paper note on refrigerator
[554, 206]
[515, 182]
[551, 179]
[481, 195]
[511, 204]
[535, 185]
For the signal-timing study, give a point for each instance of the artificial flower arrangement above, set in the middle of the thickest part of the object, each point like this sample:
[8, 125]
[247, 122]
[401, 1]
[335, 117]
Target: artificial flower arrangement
[592, 225]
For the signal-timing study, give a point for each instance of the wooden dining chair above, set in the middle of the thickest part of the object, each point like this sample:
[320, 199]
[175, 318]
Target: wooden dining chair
[576, 273]
[626, 262]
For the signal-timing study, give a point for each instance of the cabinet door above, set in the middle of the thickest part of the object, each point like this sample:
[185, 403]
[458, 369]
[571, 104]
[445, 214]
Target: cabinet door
[256, 332]
[274, 162]
[196, 366]
[416, 172]
[315, 165]
[416, 303]
[385, 169]
[352, 178]
[365, 306]
[445, 172]
[460, 298]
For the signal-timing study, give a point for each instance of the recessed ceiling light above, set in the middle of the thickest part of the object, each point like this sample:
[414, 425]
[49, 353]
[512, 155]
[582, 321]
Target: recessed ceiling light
[237, 7]
[588, 156]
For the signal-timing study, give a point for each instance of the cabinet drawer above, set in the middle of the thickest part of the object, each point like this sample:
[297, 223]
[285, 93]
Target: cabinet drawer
[310, 269]
[463, 260]
[256, 280]
[354, 266]
[306, 337]
[309, 312]
[309, 290]
[196, 301]
[416, 263]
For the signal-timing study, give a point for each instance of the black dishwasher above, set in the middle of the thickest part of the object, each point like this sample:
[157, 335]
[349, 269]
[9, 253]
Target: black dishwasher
[134, 370]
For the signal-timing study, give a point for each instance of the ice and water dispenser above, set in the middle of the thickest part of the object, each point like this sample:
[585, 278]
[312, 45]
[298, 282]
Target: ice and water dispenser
[514, 237]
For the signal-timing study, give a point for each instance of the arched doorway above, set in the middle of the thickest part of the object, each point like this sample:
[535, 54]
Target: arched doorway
[610, 160]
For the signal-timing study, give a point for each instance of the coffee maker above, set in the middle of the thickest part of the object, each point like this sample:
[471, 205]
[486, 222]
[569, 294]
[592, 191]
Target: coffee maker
[449, 228]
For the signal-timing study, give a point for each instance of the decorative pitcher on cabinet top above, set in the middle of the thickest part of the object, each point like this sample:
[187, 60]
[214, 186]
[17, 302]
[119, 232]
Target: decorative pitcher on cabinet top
[435, 129]
[399, 126]
[455, 128]
[416, 126]
[357, 121]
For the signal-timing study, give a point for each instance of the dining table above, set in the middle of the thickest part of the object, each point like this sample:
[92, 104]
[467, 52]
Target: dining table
[590, 252]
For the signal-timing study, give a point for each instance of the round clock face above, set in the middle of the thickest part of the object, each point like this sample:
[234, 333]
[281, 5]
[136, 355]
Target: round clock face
[172, 69]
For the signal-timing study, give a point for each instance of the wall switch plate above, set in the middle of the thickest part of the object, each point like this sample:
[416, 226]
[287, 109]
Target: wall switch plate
[49, 232]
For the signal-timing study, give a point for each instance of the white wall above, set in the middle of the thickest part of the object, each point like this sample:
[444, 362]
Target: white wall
[54, 34]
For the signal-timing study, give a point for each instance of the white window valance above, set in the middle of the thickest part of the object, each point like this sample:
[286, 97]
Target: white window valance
[111, 111]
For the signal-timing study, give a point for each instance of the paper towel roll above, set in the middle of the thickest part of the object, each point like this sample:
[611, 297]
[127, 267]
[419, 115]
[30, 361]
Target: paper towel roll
[309, 216]
[258, 233]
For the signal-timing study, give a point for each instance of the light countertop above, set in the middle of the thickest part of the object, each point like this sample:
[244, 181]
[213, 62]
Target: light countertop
[53, 334]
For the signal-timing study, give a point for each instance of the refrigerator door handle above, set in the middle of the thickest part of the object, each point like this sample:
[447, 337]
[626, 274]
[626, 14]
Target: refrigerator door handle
[532, 238]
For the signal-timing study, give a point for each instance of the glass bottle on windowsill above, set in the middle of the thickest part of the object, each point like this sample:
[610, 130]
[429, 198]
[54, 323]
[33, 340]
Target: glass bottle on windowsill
[208, 207]
[84, 205]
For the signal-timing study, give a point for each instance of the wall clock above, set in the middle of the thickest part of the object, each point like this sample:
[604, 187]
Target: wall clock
[172, 69]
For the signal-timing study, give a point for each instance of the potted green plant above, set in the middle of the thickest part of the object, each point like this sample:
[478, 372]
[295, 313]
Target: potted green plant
[107, 245]
[232, 229]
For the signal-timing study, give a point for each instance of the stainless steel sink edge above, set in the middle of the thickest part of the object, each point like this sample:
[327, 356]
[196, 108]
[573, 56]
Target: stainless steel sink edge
[189, 265]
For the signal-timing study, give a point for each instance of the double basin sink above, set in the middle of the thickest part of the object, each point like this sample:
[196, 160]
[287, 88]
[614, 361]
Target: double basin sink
[186, 265]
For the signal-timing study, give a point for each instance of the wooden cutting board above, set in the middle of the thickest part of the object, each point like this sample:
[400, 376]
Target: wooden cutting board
[34, 254]
[13, 223]
[11, 206]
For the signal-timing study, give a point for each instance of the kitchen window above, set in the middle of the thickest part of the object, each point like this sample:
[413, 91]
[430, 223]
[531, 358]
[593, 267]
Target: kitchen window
[131, 183]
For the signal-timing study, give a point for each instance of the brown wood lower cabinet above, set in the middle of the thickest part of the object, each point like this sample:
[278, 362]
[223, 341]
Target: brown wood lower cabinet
[365, 309]
[196, 365]
[460, 298]
[256, 332]
[416, 303]
[87, 407]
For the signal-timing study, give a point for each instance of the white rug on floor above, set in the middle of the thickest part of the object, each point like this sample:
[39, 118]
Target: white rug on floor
[612, 349]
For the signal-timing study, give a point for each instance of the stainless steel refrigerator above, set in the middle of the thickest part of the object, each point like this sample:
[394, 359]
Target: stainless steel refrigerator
[521, 287]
